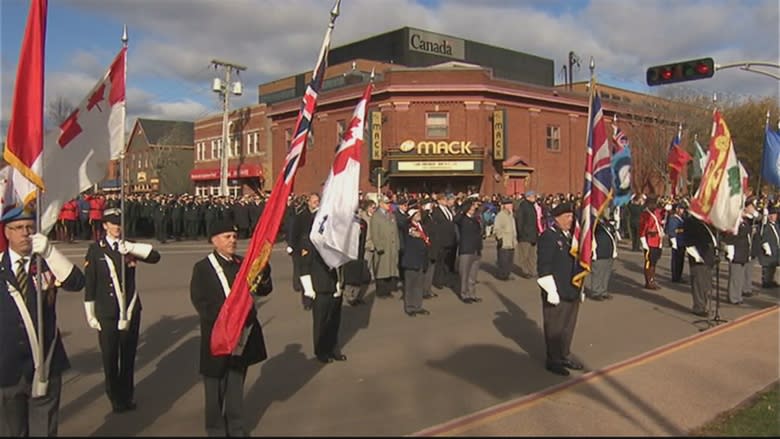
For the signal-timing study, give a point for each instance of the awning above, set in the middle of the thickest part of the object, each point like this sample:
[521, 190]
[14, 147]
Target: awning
[240, 171]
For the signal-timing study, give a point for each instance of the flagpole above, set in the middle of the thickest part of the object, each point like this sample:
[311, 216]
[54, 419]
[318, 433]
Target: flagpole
[761, 168]
[122, 282]
[695, 145]
[679, 136]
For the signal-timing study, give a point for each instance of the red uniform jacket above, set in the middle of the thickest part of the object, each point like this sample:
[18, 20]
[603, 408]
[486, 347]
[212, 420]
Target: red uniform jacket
[69, 211]
[650, 228]
[96, 206]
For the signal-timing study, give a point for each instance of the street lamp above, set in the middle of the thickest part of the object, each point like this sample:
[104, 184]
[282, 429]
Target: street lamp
[225, 89]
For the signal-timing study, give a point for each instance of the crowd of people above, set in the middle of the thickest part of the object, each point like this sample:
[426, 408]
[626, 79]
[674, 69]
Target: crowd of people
[415, 243]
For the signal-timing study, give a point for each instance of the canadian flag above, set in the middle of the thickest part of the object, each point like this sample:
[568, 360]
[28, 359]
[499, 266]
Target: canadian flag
[77, 156]
[336, 231]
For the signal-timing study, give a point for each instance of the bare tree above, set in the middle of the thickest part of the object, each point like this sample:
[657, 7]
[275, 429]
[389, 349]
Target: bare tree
[57, 111]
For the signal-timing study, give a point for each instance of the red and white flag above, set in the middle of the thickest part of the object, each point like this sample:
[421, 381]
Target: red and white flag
[77, 155]
[23, 150]
[335, 230]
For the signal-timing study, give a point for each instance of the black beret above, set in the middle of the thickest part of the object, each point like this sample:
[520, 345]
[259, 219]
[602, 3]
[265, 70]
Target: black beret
[774, 209]
[562, 208]
[223, 226]
[506, 200]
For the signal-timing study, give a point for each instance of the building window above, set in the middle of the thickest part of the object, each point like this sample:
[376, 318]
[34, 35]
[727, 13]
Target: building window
[553, 138]
[235, 146]
[213, 150]
[341, 125]
[437, 125]
[254, 143]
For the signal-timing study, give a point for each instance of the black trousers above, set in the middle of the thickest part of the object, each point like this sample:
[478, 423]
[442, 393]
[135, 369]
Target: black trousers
[559, 323]
[701, 286]
[160, 229]
[678, 260]
[768, 274]
[386, 286]
[504, 264]
[634, 229]
[118, 350]
[444, 274]
[326, 315]
[225, 404]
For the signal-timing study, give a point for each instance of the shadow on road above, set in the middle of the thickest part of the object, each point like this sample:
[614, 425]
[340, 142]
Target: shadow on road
[158, 392]
[515, 325]
[153, 341]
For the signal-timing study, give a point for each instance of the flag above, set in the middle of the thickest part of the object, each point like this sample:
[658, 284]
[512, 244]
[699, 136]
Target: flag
[230, 322]
[24, 147]
[336, 231]
[770, 162]
[87, 141]
[621, 167]
[744, 178]
[597, 190]
[699, 160]
[677, 158]
[720, 197]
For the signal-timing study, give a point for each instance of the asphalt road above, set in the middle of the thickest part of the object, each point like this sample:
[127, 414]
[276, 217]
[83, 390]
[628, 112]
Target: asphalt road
[402, 375]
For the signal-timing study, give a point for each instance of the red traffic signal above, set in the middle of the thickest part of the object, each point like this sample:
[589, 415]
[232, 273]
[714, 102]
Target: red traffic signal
[681, 71]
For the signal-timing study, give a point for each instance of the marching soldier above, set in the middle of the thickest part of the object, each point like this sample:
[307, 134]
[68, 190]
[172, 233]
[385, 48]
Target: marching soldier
[674, 229]
[30, 386]
[700, 245]
[223, 376]
[113, 307]
[560, 298]
[651, 235]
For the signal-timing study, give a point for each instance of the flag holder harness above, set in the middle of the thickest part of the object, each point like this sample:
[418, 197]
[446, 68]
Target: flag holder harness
[715, 320]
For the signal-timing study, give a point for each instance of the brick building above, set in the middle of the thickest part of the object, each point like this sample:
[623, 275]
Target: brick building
[446, 115]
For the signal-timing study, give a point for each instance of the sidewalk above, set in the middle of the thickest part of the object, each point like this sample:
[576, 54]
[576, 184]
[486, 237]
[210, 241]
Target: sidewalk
[667, 391]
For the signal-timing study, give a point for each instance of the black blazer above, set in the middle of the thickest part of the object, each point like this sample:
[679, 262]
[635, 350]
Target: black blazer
[470, 235]
[99, 287]
[15, 352]
[554, 258]
[443, 233]
[207, 297]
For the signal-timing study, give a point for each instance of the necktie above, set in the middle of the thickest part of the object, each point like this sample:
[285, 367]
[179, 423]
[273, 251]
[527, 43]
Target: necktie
[21, 277]
[116, 246]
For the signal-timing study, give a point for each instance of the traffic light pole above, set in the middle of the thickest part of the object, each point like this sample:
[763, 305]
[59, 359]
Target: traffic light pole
[746, 66]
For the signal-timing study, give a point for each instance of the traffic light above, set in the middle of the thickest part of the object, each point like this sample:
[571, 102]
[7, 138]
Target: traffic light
[378, 174]
[681, 71]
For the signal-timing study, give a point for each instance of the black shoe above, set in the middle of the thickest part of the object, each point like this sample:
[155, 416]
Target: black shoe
[606, 296]
[598, 298]
[118, 408]
[467, 300]
[747, 294]
[430, 296]
[423, 311]
[411, 313]
[325, 360]
[557, 369]
[338, 357]
[572, 364]
[701, 313]
[476, 299]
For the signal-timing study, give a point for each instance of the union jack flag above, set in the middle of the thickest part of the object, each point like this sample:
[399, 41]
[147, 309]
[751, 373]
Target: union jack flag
[597, 191]
[232, 316]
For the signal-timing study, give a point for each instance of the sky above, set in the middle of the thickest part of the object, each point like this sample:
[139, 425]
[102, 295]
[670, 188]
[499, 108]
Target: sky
[173, 41]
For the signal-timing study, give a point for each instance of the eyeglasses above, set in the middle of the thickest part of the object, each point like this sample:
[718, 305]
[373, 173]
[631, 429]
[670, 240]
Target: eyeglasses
[20, 228]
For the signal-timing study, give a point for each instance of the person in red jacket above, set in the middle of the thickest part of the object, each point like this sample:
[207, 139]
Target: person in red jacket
[69, 215]
[96, 207]
[651, 234]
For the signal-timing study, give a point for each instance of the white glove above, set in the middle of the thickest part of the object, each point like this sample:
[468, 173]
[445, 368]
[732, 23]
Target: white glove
[89, 310]
[137, 249]
[582, 296]
[58, 264]
[767, 250]
[694, 254]
[308, 288]
[674, 243]
[645, 247]
[730, 253]
[548, 285]
[289, 250]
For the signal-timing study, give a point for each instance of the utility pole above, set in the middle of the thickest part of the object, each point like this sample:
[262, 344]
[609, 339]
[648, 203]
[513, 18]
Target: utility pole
[225, 89]
[573, 60]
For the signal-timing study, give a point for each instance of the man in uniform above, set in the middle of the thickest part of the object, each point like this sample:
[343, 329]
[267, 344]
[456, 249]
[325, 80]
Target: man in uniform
[30, 386]
[700, 245]
[738, 253]
[651, 235]
[322, 288]
[113, 307]
[560, 298]
[674, 229]
[604, 255]
[769, 257]
[223, 376]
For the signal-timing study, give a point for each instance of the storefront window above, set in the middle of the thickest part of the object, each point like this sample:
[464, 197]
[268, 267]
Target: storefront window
[437, 125]
[553, 138]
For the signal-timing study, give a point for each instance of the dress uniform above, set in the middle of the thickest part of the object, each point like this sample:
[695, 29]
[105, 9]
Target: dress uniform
[29, 385]
[560, 298]
[769, 256]
[604, 255]
[322, 290]
[113, 307]
[738, 253]
[223, 376]
[674, 229]
[651, 235]
[700, 245]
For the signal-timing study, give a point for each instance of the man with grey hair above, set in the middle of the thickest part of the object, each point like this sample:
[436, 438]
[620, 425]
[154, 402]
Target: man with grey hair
[384, 236]
[528, 224]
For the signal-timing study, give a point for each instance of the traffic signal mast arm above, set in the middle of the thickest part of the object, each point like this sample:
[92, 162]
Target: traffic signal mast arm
[699, 69]
[746, 66]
